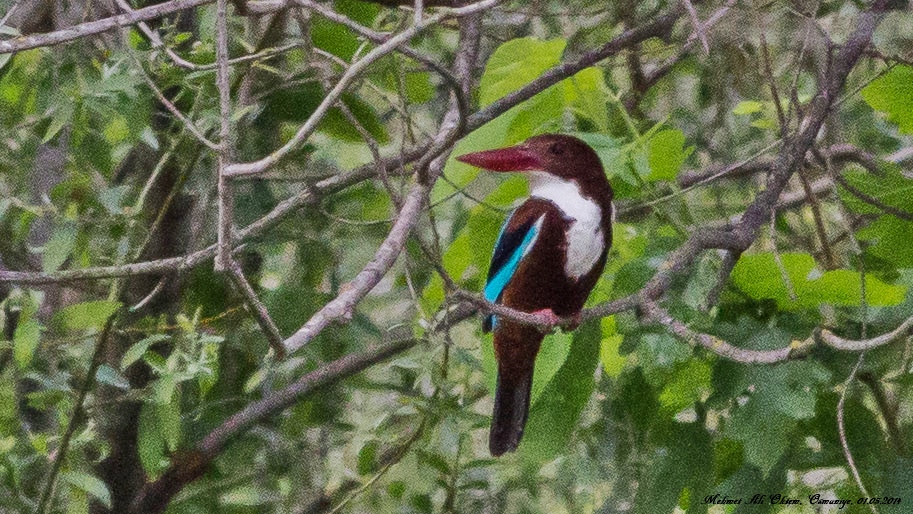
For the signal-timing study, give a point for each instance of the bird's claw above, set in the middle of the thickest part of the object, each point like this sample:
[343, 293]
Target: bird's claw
[553, 320]
[548, 317]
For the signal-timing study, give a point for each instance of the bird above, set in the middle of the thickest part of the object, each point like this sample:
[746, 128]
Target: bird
[549, 254]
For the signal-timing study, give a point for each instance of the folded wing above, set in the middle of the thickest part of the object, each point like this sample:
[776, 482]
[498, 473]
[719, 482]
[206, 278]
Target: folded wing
[518, 236]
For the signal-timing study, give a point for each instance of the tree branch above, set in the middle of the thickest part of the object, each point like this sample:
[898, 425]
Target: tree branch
[434, 160]
[720, 347]
[834, 341]
[98, 26]
[308, 128]
[661, 27]
[155, 496]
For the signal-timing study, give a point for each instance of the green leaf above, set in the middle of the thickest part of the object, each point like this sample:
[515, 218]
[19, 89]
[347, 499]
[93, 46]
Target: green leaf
[586, 93]
[890, 240]
[758, 276]
[90, 484]
[612, 361]
[61, 117]
[84, 316]
[59, 246]
[666, 154]
[244, 496]
[110, 376]
[776, 398]
[746, 107]
[609, 149]
[367, 458]
[892, 94]
[296, 104]
[152, 440]
[459, 174]
[337, 38]
[468, 255]
[112, 198]
[137, 350]
[211, 355]
[553, 418]
[25, 342]
[658, 354]
[890, 187]
[515, 64]
[690, 384]
[552, 355]
[679, 470]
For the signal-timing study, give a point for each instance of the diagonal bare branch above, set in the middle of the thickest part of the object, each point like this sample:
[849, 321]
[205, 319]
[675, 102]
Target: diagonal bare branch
[98, 26]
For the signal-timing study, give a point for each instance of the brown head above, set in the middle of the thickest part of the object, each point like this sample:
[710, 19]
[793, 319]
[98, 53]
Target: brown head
[565, 157]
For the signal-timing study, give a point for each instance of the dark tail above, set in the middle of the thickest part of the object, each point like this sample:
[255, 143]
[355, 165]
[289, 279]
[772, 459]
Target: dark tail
[511, 408]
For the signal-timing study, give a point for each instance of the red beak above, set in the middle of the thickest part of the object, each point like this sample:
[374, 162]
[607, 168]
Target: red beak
[514, 158]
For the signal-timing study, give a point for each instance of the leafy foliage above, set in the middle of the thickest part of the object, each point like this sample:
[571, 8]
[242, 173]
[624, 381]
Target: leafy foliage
[131, 374]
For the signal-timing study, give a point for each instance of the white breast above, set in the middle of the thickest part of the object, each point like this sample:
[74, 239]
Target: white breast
[585, 240]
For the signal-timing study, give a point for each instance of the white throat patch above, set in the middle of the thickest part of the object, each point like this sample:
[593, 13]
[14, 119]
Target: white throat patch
[585, 240]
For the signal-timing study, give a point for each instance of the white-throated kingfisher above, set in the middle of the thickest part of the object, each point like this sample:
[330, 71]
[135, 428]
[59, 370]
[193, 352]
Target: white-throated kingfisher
[549, 254]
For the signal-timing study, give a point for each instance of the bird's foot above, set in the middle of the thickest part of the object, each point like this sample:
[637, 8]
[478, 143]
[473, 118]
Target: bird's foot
[548, 317]
[553, 320]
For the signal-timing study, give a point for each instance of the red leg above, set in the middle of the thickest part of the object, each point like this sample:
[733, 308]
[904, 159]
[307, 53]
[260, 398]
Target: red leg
[548, 316]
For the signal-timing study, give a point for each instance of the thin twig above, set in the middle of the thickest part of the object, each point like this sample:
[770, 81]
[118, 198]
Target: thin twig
[784, 274]
[698, 27]
[841, 429]
[261, 314]
[188, 124]
[254, 167]
[818, 218]
[75, 417]
[159, 287]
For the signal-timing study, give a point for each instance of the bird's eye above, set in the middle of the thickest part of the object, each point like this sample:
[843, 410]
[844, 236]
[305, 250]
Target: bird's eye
[556, 149]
